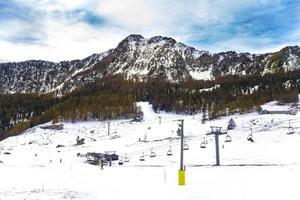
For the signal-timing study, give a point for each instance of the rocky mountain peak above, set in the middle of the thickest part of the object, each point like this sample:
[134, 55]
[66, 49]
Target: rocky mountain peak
[140, 58]
[133, 38]
[157, 39]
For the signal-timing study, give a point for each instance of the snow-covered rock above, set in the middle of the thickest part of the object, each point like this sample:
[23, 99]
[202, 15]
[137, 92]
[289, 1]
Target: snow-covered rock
[139, 58]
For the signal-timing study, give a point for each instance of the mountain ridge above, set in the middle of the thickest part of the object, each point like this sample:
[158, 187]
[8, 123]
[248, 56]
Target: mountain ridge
[136, 57]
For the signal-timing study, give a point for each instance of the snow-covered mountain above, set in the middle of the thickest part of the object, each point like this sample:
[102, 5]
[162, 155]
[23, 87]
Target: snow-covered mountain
[41, 76]
[141, 58]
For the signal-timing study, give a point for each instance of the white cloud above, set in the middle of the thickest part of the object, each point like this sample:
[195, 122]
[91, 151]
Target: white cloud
[248, 44]
[62, 38]
[17, 29]
[63, 41]
[160, 13]
[129, 12]
[81, 37]
[217, 10]
[56, 4]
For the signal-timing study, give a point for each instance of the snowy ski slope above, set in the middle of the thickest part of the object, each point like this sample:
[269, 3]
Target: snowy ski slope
[32, 167]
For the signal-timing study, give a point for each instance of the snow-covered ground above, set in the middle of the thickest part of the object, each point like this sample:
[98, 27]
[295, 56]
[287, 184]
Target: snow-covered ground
[32, 167]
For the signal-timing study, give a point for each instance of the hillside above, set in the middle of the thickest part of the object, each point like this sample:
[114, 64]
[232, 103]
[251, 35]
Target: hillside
[34, 167]
[170, 75]
[114, 97]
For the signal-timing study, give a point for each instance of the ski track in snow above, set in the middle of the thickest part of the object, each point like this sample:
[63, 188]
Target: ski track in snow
[269, 168]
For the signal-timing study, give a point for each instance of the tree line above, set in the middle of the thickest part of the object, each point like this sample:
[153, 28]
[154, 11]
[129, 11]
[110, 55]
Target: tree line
[114, 97]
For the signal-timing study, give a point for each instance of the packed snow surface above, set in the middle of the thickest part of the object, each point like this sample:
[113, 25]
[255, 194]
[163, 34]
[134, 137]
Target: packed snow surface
[34, 167]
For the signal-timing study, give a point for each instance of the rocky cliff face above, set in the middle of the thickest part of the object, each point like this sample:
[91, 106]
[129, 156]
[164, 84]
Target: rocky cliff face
[140, 58]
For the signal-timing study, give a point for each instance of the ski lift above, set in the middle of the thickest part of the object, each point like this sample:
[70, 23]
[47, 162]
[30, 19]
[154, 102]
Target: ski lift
[178, 132]
[231, 124]
[202, 145]
[126, 159]
[152, 154]
[186, 147]
[228, 138]
[142, 158]
[169, 152]
[250, 138]
[121, 162]
[291, 129]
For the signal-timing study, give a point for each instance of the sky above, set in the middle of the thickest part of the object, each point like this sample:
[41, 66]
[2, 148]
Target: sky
[59, 30]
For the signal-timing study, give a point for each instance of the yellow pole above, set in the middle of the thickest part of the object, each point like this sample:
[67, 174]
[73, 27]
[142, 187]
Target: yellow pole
[181, 177]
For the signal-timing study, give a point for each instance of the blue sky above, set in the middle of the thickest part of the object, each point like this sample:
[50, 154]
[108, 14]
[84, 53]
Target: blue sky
[70, 29]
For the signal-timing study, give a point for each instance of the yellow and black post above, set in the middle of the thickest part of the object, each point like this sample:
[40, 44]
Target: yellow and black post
[181, 172]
